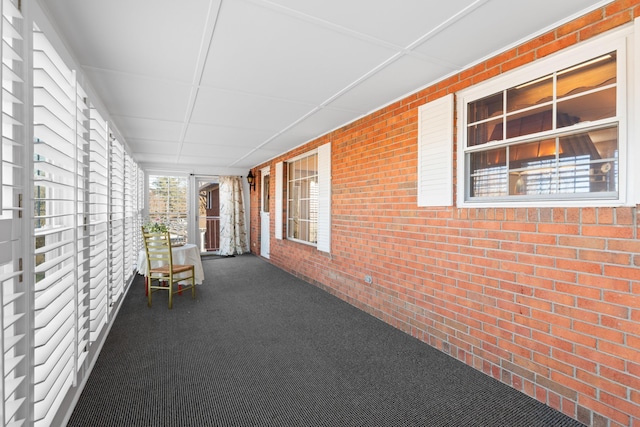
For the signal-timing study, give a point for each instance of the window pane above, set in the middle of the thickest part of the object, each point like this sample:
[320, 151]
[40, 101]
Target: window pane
[168, 203]
[265, 196]
[488, 173]
[485, 132]
[485, 108]
[597, 154]
[304, 231]
[592, 74]
[530, 94]
[587, 108]
[529, 122]
[521, 155]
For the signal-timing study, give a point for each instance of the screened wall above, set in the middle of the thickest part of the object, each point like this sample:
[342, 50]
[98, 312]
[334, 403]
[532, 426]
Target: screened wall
[71, 203]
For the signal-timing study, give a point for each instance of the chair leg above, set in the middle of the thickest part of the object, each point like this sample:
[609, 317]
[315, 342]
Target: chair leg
[170, 284]
[146, 286]
[193, 285]
[149, 292]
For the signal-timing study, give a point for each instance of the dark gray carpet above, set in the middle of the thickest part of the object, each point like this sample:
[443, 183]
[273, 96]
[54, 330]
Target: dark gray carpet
[259, 347]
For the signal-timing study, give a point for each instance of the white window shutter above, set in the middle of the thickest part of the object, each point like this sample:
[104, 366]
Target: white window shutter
[6, 252]
[324, 198]
[278, 210]
[435, 152]
[56, 165]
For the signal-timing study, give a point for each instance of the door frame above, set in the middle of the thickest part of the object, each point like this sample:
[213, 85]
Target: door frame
[265, 216]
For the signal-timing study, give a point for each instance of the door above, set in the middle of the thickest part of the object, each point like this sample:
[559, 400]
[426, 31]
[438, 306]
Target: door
[208, 214]
[264, 213]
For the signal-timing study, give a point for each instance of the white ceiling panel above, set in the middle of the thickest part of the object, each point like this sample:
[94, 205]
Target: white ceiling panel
[142, 97]
[145, 147]
[399, 78]
[238, 109]
[225, 136]
[482, 31]
[262, 51]
[149, 129]
[158, 38]
[383, 20]
[252, 158]
[213, 151]
[224, 85]
[307, 129]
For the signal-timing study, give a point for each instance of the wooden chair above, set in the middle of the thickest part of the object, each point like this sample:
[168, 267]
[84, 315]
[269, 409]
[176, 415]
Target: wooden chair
[160, 267]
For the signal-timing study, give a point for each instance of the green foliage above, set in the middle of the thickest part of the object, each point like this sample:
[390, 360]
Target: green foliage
[155, 227]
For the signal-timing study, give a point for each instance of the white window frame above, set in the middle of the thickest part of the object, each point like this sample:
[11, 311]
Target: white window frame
[291, 160]
[614, 41]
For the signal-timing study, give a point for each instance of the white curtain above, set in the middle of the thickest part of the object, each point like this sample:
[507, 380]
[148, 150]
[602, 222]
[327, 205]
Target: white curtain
[233, 231]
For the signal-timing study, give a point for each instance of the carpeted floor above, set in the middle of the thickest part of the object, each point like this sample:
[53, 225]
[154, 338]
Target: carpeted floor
[259, 347]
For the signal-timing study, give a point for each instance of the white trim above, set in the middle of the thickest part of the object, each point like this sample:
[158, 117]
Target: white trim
[616, 40]
[265, 217]
[278, 197]
[435, 152]
[633, 102]
[302, 156]
[324, 198]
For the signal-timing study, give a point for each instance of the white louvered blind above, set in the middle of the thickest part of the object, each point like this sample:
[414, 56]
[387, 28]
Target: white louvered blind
[82, 232]
[279, 198]
[140, 181]
[324, 198]
[13, 300]
[435, 152]
[130, 186]
[98, 223]
[55, 222]
[116, 221]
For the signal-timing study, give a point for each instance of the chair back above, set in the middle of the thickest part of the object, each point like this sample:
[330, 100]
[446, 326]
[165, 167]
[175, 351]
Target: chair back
[158, 248]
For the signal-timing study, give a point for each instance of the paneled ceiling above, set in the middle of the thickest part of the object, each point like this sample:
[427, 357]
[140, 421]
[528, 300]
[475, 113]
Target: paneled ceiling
[212, 86]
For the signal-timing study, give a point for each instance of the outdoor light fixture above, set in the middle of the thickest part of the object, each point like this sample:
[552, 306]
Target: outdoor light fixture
[251, 180]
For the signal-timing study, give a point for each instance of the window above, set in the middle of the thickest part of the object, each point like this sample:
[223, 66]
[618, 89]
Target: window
[302, 205]
[555, 135]
[168, 202]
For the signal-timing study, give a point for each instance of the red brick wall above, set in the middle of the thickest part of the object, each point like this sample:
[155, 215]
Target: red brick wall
[546, 300]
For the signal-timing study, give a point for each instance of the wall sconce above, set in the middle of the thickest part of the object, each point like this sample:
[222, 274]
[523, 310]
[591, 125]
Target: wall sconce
[251, 180]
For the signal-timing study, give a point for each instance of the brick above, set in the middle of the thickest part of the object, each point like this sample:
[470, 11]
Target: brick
[579, 266]
[630, 354]
[557, 45]
[536, 43]
[581, 22]
[556, 251]
[598, 332]
[519, 61]
[604, 308]
[602, 26]
[602, 282]
[613, 232]
[631, 273]
[570, 229]
[608, 257]
[632, 246]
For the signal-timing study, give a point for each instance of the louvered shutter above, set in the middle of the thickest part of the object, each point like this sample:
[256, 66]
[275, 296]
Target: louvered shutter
[116, 221]
[98, 223]
[435, 152]
[13, 299]
[324, 198]
[130, 185]
[55, 201]
[279, 197]
[82, 232]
